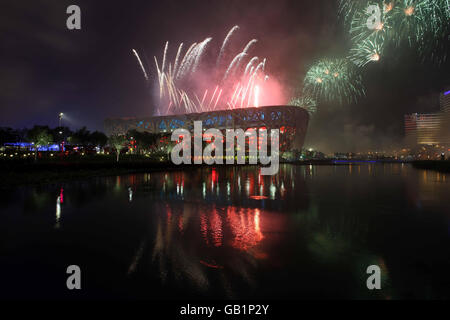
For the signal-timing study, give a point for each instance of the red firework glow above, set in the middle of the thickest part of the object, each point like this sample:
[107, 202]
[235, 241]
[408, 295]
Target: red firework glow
[193, 84]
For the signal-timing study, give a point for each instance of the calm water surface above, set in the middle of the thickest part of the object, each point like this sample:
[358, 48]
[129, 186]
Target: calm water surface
[227, 232]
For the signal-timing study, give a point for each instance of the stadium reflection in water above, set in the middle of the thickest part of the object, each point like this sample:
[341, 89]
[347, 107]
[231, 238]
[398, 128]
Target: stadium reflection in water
[222, 230]
[213, 232]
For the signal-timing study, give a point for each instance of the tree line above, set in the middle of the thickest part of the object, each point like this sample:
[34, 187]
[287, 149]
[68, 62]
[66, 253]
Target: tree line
[44, 135]
[138, 142]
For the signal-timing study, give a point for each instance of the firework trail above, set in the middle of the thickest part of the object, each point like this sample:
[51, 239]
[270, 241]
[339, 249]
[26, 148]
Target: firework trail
[225, 42]
[234, 64]
[140, 63]
[256, 102]
[212, 98]
[180, 48]
[260, 66]
[204, 97]
[201, 50]
[218, 97]
[164, 57]
[182, 82]
[184, 61]
[250, 64]
[249, 45]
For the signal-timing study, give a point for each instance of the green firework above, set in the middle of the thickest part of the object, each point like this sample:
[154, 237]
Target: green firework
[367, 51]
[423, 25]
[380, 30]
[333, 80]
[348, 8]
[420, 24]
[305, 102]
[410, 21]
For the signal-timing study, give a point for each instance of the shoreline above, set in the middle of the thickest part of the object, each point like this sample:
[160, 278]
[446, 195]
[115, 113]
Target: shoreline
[15, 174]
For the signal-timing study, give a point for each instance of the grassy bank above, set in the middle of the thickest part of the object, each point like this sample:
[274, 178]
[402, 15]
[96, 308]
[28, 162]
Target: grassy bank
[441, 166]
[54, 170]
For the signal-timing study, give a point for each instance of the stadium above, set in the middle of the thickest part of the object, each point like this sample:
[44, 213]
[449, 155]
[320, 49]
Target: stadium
[292, 122]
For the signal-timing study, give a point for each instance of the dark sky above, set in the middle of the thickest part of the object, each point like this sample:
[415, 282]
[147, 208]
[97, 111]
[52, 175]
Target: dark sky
[91, 74]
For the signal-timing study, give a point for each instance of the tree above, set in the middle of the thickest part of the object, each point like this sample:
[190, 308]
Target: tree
[118, 142]
[144, 140]
[84, 137]
[40, 136]
[60, 134]
[98, 138]
[80, 136]
[9, 135]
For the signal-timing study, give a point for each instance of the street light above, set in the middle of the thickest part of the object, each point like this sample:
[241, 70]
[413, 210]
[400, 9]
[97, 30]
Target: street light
[60, 118]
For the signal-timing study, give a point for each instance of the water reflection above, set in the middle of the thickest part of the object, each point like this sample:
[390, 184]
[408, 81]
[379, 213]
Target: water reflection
[244, 186]
[308, 232]
[59, 201]
[428, 189]
[130, 194]
[191, 241]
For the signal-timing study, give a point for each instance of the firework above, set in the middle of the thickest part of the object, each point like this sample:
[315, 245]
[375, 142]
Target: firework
[333, 80]
[249, 45]
[201, 49]
[367, 51]
[186, 57]
[419, 24]
[373, 21]
[234, 64]
[348, 8]
[415, 15]
[305, 102]
[177, 58]
[256, 101]
[182, 82]
[140, 64]
[249, 65]
[409, 21]
[164, 57]
[225, 42]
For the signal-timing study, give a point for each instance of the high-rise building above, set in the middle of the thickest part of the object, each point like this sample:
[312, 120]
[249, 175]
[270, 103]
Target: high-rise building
[423, 129]
[445, 110]
[430, 128]
[445, 101]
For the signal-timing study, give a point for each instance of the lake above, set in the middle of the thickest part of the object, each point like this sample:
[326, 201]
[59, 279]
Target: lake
[309, 232]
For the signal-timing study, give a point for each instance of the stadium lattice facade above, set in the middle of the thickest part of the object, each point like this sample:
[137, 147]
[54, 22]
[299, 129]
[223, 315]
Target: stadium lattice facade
[292, 122]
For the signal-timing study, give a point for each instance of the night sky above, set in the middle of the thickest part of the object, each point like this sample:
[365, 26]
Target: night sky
[91, 74]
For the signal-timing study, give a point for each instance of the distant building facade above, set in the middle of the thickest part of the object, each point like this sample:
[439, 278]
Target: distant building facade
[445, 111]
[423, 129]
[429, 128]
